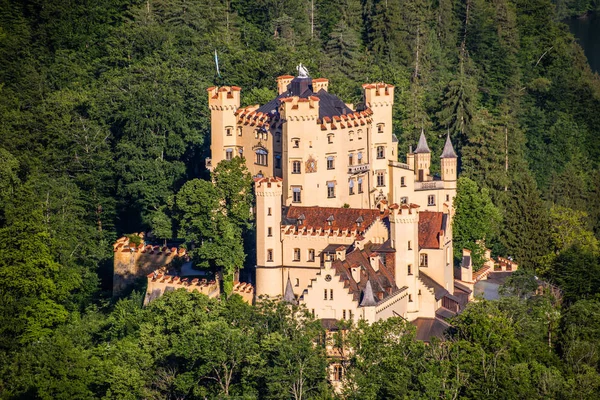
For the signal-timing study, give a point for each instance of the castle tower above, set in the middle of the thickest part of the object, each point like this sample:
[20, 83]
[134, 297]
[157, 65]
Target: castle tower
[422, 156]
[379, 97]
[269, 252]
[404, 232]
[299, 134]
[223, 102]
[448, 161]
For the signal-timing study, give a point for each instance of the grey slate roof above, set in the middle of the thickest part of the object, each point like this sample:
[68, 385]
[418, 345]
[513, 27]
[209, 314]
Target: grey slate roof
[422, 146]
[368, 299]
[448, 149]
[329, 104]
[289, 296]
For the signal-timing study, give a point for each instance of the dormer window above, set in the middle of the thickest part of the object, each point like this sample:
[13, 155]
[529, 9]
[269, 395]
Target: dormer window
[330, 220]
[359, 221]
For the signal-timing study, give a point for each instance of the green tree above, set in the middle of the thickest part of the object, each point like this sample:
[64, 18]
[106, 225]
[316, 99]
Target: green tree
[476, 219]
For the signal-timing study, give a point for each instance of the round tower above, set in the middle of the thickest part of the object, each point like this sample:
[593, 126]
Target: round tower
[269, 252]
[223, 103]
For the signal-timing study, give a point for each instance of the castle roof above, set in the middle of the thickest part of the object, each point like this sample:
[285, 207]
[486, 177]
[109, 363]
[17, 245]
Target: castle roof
[333, 218]
[422, 146]
[448, 149]
[432, 225]
[376, 285]
[368, 299]
[289, 296]
[329, 105]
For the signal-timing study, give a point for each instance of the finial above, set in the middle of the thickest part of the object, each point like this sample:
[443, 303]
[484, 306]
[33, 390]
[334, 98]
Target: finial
[302, 71]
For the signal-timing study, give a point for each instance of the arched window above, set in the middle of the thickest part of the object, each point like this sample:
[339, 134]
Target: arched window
[359, 156]
[261, 157]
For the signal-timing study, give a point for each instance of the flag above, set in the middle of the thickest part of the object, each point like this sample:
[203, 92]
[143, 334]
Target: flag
[217, 63]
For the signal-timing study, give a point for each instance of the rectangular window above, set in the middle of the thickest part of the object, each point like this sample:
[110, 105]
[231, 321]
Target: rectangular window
[409, 268]
[277, 137]
[311, 254]
[380, 128]
[296, 167]
[403, 200]
[278, 161]
[409, 245]
[380, 152]
[296, 143]
[296, 254]
[447, 197]
[381, 179]
[350, 159]
[350, 314]
[297, 195]
[330, 139]
[229, 154]
[423, 260]
[228, 130]
[351, 187]
[297, 282]
[431, 200]
[269, 211]
[270, 255]
[402, 182]
[239, 129]
[330, 294]
[360, 185]
[343, 314]
[269, 232]
[330, 190]
[324, 294]
[330, 162]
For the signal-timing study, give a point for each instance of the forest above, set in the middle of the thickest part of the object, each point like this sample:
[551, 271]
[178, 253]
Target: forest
[104, 128]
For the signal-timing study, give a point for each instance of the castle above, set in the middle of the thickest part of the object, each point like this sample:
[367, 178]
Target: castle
[342, 226]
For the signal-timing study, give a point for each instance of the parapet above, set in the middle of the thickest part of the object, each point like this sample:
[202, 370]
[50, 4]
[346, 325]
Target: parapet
[269, 186]
[224, 97]
[246, 290]
[296, 108]
[283, 82]
[320, 83]
[160, 282]
[378, 94]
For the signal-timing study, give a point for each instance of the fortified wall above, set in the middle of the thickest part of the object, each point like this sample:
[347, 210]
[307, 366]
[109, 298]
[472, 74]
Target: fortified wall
[132, 261]
[160, 282]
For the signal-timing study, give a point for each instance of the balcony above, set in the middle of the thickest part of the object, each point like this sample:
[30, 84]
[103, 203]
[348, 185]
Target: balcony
[429, 185]
[358, 169]
[399, 165]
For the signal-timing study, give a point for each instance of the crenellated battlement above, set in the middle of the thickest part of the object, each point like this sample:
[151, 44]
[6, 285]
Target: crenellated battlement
[132, 261]
[378, 94]
[224, 98]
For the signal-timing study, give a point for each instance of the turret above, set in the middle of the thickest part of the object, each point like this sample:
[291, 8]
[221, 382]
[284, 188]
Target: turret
[404, 234]
[448, 161]
[422, 156]
[223, 103]
[379, 98]
[283, 82]
[269, 278]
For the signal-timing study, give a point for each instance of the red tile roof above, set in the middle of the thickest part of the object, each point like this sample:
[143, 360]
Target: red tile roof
[430, 229]
[343, 218]
[382, 281]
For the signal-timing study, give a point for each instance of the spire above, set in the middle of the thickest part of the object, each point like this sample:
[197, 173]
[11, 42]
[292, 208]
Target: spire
[368, 299]
[422, 145]
[288, 296]
[448, 149]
